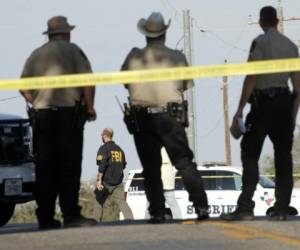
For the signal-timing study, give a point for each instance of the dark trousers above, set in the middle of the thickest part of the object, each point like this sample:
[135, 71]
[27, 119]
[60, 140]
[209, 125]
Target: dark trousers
[157, 131]
[270, 116]
[57, 146]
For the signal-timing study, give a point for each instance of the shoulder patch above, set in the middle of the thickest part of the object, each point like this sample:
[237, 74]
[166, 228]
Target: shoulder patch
[99, 157]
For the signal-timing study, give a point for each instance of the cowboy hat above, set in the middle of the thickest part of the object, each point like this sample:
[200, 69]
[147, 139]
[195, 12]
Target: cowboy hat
[58, 24]
[154, 26]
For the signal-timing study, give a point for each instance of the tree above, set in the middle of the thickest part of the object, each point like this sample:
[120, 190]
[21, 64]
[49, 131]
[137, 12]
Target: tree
[268, 160]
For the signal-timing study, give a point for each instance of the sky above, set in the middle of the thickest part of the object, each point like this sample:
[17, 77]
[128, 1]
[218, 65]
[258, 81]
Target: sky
[106, 31]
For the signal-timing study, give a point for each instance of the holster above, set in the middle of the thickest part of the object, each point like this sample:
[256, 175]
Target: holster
[179, 111]
[130, 119]
[31, 112]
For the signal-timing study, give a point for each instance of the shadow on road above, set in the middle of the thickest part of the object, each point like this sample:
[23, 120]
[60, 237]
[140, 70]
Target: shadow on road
[30, 228]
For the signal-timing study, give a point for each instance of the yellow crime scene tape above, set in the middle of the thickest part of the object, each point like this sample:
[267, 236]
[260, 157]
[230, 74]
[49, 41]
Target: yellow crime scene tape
[153, 75]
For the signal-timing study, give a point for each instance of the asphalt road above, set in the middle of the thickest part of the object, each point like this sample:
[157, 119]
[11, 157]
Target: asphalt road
[213, 234]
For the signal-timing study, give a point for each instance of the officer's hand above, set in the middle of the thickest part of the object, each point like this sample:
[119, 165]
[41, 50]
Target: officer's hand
[100, 185]
[92, 115]
[238, 114]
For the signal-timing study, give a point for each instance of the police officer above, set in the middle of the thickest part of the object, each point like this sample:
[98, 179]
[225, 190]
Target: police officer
[111, 161]
[58, 117]
[156, 119]
[273, 113]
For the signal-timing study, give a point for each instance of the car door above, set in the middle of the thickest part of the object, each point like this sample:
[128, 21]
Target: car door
[136, 197]
[264, 197]
[223, 189]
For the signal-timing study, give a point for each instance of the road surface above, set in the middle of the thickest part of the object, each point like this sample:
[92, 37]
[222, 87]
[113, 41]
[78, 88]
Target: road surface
[212, 234]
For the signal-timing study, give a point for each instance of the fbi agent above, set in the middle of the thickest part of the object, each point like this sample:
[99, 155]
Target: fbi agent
[157, 116]
[111, 163]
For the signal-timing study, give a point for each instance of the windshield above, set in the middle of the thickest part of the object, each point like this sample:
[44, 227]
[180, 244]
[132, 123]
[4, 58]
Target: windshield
[265, 182]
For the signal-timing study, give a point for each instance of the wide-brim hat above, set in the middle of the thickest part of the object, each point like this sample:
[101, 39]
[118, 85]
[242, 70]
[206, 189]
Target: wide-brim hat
[154, 26]
[57, 25]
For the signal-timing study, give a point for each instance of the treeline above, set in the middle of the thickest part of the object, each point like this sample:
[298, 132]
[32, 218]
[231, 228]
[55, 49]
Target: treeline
[25, 213]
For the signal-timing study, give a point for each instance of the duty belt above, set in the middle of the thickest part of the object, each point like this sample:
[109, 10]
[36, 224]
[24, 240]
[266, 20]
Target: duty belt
[151, 110]
[272, 92]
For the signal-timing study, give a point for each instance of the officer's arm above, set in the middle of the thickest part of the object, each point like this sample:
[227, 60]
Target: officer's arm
[249, 82]
[27, 72]
[102, 159]
[89, 96]
[102, 162]
[27, 95]
[135, 52]
[124, 159]
[248, 87]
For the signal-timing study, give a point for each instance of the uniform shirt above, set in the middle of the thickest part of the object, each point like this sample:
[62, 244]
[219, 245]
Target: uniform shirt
[167, 171]
[155, 55]
[111, 162]
[272, 45]
[56, 57]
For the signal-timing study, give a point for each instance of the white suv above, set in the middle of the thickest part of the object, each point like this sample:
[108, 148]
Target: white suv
[223, 187]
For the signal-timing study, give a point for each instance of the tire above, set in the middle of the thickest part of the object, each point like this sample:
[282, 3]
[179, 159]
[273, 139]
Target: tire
[6, 212]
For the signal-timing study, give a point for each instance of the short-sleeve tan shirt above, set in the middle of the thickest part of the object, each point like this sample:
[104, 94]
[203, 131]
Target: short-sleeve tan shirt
[156, 94]
[56, 57]
[272, 45]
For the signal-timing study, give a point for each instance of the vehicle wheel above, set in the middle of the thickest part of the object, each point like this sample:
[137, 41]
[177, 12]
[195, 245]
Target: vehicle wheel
[6, 212]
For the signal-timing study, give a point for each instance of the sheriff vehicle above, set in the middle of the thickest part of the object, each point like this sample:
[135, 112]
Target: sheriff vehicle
[17, 170]
[223, 187]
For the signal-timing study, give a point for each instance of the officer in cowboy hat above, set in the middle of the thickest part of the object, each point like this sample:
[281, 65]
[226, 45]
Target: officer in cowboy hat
[155, 119]
[58, 118]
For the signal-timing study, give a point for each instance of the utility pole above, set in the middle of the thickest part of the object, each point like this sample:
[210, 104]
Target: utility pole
[190, 93]
[281, 18]
[226, 121]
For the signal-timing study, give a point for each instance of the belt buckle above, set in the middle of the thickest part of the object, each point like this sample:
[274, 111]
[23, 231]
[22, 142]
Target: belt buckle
[54, 108]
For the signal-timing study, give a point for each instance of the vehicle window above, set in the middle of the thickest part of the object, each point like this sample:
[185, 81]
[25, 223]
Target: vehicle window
[265, 182]
[15, 142]
[215, 180]
[137, 183]
[225, 180]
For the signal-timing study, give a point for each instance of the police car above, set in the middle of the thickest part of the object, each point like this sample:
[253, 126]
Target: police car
[223, 187]
[17, 170]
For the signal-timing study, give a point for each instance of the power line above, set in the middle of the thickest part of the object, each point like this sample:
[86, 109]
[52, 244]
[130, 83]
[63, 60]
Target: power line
[233, 46]
[169, 6]
[9, 98]
[213, 128]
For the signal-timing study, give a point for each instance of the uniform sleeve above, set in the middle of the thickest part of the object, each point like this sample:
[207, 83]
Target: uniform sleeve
[102, 159]
[256, 50]
[134, 52]
[81, 60]
[28, 68]
[126, 64]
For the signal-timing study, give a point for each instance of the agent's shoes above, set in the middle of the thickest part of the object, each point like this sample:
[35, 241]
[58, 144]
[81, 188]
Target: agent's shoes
[79, 221]
[237, 215]
[52, 224]
[278, 215]
[157, 219]
[202, 214]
